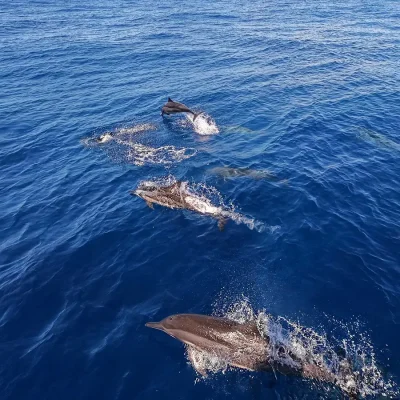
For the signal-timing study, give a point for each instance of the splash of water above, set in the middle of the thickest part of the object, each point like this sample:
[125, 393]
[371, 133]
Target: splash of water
[203, 124]
[354, 369]
[213, 196]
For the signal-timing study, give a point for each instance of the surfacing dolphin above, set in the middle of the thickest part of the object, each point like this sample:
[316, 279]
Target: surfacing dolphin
[240, 345]
[178, 195]
[173, 107]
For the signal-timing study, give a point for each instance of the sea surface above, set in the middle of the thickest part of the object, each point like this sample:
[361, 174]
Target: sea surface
[303, 97]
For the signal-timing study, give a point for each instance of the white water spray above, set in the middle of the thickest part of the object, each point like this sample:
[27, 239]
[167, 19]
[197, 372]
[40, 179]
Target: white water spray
[203, 124]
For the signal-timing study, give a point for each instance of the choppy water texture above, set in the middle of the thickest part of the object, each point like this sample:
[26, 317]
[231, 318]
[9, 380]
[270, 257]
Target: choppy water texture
[308, 91]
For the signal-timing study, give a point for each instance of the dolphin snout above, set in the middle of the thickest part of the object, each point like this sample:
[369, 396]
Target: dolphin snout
[154, 325]
[136, 192]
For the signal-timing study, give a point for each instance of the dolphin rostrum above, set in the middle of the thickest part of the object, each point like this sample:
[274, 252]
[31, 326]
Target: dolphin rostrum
[178, 195]
[243, 346]
[173, 107]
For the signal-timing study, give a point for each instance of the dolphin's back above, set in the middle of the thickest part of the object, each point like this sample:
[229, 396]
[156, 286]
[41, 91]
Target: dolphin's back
[240, 345]
[173, 107]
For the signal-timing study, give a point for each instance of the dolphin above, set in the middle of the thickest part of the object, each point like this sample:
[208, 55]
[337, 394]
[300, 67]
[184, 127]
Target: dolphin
[230, 172]
[241, 346]
[173, 107]
[376, 137]
[107, 136]
[178, 196]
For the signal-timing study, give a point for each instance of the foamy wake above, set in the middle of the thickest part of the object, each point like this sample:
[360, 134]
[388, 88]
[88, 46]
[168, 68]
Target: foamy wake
[203, 124]
[251, 223]
[125, 150]
[140, 154]
[109, 136]
[135, 129]
[353, 369]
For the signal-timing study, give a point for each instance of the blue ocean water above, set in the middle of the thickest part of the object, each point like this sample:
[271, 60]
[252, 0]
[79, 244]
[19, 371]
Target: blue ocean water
[306, 90]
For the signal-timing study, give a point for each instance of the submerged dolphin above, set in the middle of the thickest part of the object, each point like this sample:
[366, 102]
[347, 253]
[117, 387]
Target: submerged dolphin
[230, 172]
[107, 136]
[178, 195]
[240, 345]
[378, 138]
[173, 107]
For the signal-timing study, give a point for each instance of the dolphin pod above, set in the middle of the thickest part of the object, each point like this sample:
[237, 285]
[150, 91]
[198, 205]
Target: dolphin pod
[243, 346]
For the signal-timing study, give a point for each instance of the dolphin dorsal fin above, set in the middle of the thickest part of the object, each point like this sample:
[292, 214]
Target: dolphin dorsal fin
[169, 99]
[178, 184]
[175, 185]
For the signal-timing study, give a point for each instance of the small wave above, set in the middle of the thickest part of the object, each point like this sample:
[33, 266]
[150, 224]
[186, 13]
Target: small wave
[353, 369]
[203, 124]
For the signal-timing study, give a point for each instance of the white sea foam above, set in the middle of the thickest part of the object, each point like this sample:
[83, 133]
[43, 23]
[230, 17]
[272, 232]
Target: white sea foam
[202, 205]
[293, 345]
[209, 198]
[203, 124]
[140, 154]
[129, 130]
[120, 147]
[105, 138]
[110, 136]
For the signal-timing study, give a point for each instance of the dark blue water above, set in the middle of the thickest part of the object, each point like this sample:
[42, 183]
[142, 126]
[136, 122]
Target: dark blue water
[308, 91]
